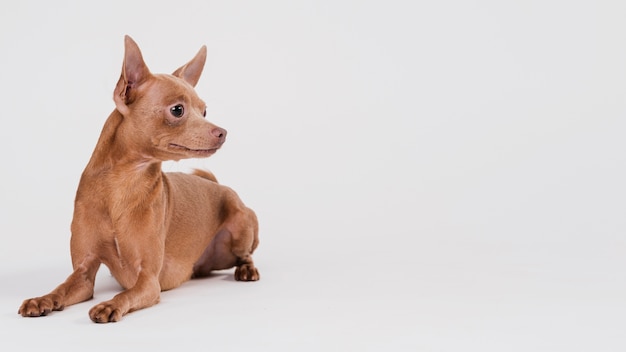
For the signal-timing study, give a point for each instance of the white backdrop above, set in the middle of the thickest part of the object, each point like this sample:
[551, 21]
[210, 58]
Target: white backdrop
[429, 176]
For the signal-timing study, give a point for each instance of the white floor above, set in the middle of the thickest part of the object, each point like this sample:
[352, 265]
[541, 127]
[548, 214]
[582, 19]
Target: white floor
[428, 177]
[463, 296]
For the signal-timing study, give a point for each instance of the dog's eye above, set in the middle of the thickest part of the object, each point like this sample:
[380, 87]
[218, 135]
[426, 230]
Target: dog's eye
[177, 110]
[204, 113]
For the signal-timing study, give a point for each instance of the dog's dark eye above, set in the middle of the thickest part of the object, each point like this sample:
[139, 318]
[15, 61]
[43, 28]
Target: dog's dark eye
[177, 110]
[204, 113]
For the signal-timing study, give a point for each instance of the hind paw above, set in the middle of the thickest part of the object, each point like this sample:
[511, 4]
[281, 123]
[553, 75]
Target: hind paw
[247, 272]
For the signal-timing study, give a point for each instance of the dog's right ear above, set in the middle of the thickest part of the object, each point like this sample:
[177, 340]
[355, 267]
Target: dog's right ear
[134, 73]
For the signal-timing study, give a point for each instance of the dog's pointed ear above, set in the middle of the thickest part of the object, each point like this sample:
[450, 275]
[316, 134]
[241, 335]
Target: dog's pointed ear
[192, 70]
[134, 73]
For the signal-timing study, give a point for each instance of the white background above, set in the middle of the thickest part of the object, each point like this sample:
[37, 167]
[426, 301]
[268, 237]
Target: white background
[429, 176]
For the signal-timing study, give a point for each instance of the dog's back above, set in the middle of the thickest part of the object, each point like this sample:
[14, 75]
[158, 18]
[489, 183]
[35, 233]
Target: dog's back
[205, 174]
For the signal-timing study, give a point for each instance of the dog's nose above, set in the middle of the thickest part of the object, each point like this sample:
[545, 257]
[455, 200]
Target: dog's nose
[219, 133]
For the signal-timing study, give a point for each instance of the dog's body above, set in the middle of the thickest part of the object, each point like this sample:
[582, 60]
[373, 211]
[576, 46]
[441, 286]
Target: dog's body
[153, 230]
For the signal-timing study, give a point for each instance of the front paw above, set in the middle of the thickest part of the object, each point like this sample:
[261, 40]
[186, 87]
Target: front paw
[106, 312]
[40, 306]
[247, 272]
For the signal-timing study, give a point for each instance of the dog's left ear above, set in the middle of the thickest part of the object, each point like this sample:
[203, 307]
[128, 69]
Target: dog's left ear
[192, 70]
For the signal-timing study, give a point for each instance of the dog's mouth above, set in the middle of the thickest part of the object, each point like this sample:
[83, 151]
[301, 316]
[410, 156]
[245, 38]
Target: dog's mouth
[199, 152]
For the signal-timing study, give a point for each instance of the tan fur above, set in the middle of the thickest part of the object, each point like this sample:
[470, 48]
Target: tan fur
[153, 230]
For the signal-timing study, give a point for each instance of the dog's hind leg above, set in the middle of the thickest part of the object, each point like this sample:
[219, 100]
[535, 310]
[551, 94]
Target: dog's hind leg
[243, 244]
[232, 246]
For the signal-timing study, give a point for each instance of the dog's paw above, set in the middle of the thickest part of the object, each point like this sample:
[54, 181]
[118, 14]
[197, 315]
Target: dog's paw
[105, 312]
[40, 306]
[247, 272]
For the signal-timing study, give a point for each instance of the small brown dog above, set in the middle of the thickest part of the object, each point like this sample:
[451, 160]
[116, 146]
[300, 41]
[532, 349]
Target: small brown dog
[153, 230]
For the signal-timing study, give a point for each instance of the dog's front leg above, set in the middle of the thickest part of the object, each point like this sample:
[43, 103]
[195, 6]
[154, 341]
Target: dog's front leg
[136, 265]
[145, 293]
[78, 287]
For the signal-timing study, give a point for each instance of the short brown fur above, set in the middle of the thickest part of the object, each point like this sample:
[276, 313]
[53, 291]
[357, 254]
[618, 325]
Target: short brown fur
[153, 230]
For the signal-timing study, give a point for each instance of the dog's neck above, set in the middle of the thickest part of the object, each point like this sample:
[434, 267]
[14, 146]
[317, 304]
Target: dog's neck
[112, 156]
[130, 180]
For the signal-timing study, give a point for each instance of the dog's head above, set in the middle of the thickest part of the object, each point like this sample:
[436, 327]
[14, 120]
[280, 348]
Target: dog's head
[162, 114]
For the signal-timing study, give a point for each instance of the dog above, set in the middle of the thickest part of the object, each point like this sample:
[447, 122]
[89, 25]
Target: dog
[153, 230]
